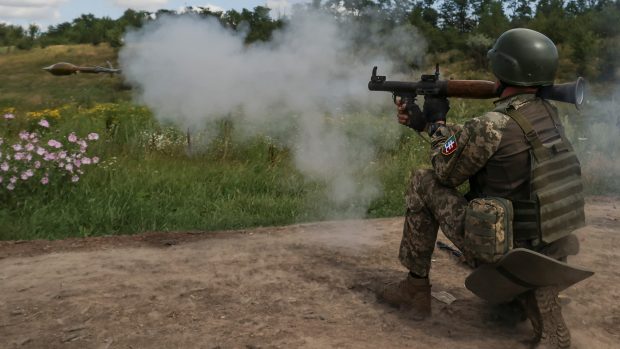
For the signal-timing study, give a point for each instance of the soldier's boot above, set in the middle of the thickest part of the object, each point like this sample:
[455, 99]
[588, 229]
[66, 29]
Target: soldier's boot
[412, 295]
[545, 313]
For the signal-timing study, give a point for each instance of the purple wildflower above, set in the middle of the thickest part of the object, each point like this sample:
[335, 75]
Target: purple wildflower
[54, 143]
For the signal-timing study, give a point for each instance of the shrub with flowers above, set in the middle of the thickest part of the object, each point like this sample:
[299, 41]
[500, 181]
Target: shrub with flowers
[168, 140]
[34, 158]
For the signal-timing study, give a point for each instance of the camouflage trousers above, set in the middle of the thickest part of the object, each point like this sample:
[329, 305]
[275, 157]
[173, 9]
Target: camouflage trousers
[430, 205]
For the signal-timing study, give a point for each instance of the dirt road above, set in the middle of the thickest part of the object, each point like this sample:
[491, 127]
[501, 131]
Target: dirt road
[303, 286]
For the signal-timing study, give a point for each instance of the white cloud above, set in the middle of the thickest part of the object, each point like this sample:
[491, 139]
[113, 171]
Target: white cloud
[30, 9]
[279, 8]
[149, 5]
[31, 3]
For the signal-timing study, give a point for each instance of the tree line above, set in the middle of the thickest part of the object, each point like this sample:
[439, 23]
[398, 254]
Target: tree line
[587, 32]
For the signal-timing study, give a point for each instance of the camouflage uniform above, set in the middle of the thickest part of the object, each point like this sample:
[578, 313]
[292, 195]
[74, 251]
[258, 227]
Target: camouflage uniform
[432, 200]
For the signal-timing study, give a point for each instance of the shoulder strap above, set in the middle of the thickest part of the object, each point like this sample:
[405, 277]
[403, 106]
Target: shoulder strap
[540, 152]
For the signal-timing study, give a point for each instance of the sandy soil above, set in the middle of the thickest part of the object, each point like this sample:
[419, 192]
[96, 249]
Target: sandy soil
[303, 286]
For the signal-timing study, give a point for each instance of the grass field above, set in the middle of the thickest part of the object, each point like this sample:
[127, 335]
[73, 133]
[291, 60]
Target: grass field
[148, 177]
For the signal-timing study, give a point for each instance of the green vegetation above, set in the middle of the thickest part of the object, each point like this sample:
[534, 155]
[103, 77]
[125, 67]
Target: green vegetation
[586, 32]
[26, 87]
[150, 178]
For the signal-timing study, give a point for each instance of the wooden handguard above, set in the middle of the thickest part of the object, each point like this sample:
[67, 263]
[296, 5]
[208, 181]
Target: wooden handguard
[474, 89]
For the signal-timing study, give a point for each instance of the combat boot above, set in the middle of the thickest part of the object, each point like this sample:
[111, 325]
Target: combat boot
[543, 308]
[412, 295]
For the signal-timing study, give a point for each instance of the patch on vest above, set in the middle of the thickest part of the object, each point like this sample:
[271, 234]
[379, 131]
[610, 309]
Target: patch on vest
[450, 146]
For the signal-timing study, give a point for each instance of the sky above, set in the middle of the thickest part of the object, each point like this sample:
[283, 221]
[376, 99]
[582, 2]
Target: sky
[50, 12]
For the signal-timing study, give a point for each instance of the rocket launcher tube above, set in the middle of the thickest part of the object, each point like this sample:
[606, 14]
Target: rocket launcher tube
[573, 92]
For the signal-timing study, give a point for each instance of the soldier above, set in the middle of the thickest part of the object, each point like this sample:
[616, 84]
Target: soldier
[517, 152]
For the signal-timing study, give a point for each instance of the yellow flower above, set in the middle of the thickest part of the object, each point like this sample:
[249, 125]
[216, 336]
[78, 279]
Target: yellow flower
[9, 110]
[44, 114]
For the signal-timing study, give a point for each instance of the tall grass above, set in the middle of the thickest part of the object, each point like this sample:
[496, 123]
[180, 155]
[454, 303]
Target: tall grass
[152, 178]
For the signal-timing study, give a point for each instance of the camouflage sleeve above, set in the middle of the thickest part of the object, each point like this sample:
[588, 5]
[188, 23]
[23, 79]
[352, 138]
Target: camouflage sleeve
[459, 152]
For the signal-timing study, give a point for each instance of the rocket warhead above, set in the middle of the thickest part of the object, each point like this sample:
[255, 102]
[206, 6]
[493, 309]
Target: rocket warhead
[62, 68]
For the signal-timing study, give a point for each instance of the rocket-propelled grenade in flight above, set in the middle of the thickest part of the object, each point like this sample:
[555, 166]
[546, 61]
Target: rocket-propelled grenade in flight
[63, 68]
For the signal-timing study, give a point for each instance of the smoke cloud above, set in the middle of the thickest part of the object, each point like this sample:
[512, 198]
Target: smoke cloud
[193, 72]
[595, 132]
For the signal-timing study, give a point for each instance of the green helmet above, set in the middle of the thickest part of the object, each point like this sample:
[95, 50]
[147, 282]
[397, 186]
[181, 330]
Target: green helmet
[524, 57]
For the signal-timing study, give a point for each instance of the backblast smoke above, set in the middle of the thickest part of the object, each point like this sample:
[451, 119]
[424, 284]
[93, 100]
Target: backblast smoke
[193, 72]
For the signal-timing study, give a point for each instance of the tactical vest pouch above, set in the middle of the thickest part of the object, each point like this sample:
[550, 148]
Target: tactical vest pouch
[488, 228]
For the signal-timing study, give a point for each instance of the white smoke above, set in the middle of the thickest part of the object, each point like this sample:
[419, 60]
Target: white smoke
[193, 72]
[594, 132]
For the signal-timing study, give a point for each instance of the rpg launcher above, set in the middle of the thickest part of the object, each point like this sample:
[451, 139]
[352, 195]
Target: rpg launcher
[430, 85]
[63, 68]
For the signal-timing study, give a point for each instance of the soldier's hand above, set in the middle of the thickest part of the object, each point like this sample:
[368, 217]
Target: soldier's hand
[436, 109]
[410, 115]
[403, 117]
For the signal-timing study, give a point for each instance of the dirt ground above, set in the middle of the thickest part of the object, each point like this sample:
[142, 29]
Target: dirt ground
[302, 286]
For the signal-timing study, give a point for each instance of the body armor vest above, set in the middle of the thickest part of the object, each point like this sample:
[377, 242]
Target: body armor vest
[555, 206]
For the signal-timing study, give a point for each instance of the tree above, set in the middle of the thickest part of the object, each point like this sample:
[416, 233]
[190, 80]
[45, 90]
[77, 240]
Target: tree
[477, 47]
[521, 11]
[455, 14]
[10, 35]
[492, 21]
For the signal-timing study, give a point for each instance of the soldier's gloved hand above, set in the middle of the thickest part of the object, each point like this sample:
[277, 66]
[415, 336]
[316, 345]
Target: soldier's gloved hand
[410, 115]
[435, 109]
